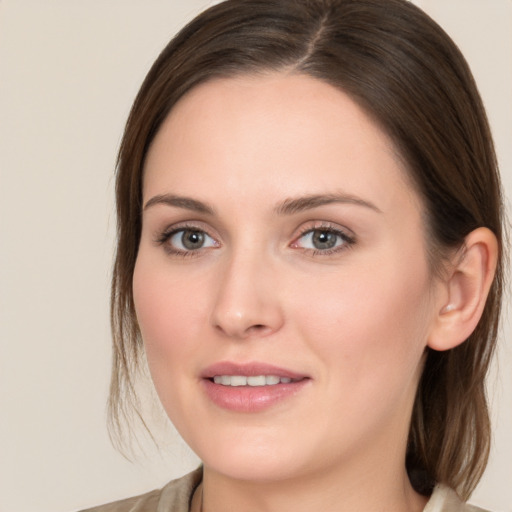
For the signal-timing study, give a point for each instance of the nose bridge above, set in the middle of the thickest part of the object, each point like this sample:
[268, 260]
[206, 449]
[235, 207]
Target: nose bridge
[246, 301]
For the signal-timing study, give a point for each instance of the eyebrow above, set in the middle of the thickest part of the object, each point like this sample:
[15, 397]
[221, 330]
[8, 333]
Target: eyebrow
[295, 205]
[287, 207]
[187, 203]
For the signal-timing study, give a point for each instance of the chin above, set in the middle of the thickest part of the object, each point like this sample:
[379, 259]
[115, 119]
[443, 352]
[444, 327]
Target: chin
[252, 458]
[255, 469]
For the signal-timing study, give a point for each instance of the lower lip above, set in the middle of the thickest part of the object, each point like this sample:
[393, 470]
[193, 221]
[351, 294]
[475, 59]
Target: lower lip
[250, 398]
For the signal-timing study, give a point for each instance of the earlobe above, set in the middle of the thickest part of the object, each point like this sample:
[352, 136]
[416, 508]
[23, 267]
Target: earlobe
[465, 290]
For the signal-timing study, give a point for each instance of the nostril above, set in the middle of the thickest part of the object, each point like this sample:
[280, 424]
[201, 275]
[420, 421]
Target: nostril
[257, 328]
[252, 330]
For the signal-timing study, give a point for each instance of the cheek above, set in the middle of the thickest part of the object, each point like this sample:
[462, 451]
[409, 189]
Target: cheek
[373, 324]
[166, 313]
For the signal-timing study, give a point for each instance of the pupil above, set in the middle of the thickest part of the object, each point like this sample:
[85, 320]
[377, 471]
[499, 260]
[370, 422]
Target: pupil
[324, 239]
[192, 239]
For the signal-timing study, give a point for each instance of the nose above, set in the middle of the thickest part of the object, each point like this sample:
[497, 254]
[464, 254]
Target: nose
[247, 302]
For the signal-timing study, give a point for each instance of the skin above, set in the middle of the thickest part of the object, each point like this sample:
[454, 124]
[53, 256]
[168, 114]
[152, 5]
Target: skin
[355, 320]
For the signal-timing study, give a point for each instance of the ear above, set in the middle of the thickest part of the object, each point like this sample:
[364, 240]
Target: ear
[464, 290]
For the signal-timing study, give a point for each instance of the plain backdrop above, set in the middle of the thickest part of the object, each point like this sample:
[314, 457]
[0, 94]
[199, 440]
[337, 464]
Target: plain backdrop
[69, 71]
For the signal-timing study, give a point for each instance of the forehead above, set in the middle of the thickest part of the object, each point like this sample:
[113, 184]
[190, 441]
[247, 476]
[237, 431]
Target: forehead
[269, 134]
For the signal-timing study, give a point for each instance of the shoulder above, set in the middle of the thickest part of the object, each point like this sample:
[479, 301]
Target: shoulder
[174, 497]
[144, 503]
[444, 499]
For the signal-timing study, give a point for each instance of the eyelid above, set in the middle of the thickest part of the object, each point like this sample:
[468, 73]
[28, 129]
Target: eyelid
[347, 235]
[327, 226]
[161, 237]
[193, 225]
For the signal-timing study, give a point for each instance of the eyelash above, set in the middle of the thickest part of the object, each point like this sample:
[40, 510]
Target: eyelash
[166, 235]
[347, 240]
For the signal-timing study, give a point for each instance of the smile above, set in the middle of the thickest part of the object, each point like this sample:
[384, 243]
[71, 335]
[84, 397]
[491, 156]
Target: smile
[251, 387]
[253, 380]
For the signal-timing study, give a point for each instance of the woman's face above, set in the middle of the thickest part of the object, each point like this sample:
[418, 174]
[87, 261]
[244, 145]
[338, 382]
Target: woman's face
[281, 286]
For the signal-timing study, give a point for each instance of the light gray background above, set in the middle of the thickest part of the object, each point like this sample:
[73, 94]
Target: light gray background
[69, 71]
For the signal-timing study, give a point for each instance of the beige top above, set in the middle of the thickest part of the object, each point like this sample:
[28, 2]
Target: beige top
[176, 497]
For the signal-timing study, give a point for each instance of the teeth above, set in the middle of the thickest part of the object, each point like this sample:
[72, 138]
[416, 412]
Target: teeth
[260, 380]
[238, 380]
[272, 380]
[256, 380]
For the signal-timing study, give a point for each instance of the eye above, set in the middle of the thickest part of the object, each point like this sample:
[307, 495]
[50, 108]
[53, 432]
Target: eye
[191, 240]
[185, 240]
[323, 240]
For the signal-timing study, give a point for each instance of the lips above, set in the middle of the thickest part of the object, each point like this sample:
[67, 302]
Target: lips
[249, 370]
[250, 387]
[253, 380]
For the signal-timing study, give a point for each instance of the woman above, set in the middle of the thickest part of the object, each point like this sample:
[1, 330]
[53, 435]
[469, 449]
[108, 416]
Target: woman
[310, 258]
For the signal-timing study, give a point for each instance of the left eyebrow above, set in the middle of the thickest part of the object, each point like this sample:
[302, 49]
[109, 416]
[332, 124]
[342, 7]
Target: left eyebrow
[299, 204]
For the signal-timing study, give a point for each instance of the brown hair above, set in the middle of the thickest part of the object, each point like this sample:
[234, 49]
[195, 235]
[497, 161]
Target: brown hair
[403, 69]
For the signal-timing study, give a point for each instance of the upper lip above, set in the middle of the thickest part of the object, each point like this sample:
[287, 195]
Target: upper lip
[248, 370]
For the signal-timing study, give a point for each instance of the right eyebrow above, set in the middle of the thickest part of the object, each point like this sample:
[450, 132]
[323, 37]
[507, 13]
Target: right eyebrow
[187, 203]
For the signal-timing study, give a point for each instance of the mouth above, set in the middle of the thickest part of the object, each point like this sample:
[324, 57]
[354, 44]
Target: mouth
[252, 387]
[253, 380]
